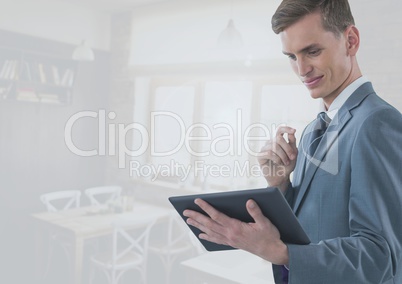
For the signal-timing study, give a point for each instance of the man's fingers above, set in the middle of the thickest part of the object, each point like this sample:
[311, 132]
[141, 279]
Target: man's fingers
[261, 221]
[212, 227]
[202, 222]
[271, 155]
[292, 140]
[255, 212]
[285, 130]
[214, 214]
[278, 150]
[203, 226]
[289, 146]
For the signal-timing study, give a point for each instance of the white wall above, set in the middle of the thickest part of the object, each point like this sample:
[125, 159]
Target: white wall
[176, 32]
[55, 20]
[380, 56]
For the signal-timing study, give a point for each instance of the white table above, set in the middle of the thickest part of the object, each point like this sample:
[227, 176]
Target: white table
[81, 224]
[224, 267]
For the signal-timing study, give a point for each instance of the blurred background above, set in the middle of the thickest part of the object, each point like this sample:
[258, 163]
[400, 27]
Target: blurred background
[157, 98]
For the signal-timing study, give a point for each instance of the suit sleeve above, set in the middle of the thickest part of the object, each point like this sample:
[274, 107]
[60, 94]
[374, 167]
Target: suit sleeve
[372, 252]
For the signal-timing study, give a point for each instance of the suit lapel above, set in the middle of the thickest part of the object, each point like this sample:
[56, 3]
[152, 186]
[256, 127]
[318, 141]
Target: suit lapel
[331, 138]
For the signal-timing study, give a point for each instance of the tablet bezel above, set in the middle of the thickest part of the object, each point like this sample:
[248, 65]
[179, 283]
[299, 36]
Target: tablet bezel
[233, 203]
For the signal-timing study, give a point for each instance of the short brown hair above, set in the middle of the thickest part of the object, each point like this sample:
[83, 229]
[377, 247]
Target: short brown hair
[336, 14]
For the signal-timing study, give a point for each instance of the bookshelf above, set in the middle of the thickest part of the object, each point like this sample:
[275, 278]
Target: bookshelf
[29, 76]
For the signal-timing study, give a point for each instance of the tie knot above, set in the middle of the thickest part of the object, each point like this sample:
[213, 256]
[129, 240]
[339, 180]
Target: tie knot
[312, 139]
[323, 120]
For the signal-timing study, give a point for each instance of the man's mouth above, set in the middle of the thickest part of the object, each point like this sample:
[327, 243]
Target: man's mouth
[312, 82]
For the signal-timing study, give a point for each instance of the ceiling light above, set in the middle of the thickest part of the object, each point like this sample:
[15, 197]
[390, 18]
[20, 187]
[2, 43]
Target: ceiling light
[230, 36]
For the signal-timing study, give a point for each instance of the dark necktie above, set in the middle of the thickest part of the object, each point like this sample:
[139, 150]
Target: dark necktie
[313, 139]
[310, 142]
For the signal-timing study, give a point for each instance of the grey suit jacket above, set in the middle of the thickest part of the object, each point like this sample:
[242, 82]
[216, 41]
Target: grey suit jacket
[350, 204]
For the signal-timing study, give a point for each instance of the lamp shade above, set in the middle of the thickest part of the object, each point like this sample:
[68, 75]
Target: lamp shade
[230, 36]
[83, 52]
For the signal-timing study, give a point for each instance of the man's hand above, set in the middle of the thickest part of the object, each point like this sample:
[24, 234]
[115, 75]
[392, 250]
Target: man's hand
[278, 158]
[260, 238]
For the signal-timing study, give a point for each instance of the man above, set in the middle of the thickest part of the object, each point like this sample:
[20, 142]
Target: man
[347, 193]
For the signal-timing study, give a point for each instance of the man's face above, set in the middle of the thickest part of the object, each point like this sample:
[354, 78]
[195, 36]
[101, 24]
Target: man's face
[319, 58]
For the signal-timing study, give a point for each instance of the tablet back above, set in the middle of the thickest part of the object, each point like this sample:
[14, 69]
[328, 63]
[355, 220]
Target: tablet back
[233, 204]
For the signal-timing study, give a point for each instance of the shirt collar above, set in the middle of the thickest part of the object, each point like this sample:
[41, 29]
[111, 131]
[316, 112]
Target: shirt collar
[344, 95]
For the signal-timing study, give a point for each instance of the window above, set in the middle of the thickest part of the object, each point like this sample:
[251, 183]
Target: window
[206, 133]
[226, 112]
[287, 104]
[173, 109]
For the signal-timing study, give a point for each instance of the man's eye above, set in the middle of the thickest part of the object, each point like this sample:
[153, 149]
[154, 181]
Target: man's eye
[292, 57]
[314, 52]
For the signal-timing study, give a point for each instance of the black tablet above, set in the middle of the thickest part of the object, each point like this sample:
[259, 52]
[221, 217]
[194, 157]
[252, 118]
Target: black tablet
[233, 203]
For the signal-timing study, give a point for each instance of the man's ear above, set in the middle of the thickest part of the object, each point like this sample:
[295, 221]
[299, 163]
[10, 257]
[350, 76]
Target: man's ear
[353, 40]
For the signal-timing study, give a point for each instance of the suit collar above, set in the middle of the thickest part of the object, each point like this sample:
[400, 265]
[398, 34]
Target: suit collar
[338, 123]
[340, 100]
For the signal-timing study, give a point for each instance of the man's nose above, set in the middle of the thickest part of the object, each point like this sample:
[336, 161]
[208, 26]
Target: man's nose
[304, 67]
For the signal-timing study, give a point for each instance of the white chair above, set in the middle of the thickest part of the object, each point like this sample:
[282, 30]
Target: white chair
[103, 194]
[177, 242]
[59, 201]
[129, 251]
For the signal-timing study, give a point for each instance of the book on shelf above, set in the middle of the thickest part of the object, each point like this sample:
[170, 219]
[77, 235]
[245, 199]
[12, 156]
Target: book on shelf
[35, 77]
[56, 75]
[5, 91]
[9, 70]
[68, 78]
[49, 98]
[14, 70]
[4, 67]
[27, 95]
[42, 74]
[25, 72]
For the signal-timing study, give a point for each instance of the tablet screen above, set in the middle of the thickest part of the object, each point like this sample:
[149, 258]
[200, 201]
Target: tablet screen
[233, 204]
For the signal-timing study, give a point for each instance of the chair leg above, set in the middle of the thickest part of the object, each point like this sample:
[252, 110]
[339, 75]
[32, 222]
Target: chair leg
[169, 266]
[144, 274]
[91, 273]
[167, 262]
[114, 277]
[66, 249]
[49, 256]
